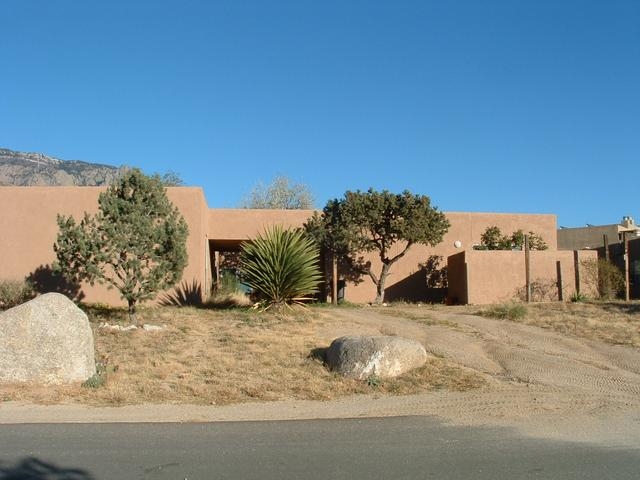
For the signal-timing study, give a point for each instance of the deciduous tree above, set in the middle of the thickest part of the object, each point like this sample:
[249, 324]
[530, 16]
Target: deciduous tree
[281, 193]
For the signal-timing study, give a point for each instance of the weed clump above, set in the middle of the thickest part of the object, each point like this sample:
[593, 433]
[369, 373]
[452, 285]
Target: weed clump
[99, 379]
[505, 311]
[14, 293]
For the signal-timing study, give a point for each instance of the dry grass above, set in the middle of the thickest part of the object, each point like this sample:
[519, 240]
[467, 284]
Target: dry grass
[611, 322]
[233, 299]
[614, 322]
[207, 356]
[220, 357]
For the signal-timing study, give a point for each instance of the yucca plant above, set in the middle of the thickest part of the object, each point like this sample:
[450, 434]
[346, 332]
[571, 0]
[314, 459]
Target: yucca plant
[281, 266]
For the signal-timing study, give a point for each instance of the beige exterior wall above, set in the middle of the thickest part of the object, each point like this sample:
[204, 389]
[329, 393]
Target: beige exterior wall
[244, 223]
[499, 276]
[407, 278]
[193, 207]
[28, 230]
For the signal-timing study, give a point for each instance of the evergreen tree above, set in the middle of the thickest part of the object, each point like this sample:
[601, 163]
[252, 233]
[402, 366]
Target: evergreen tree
[135, 243]
[382, 222]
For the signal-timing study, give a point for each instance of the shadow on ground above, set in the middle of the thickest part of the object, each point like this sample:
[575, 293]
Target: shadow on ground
[32, 468]
[184, 295]
[622, 307]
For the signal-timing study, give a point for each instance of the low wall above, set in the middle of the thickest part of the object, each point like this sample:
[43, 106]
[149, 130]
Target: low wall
[483, 277]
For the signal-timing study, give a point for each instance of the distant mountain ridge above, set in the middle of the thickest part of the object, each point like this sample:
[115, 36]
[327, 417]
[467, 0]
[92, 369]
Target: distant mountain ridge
[31, 169]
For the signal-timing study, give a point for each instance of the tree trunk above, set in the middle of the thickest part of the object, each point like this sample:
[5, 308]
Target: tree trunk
[133, 318]
[380, 283]
[334, 279]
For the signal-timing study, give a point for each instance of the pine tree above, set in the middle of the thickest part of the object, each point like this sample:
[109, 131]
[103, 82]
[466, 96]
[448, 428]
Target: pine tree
[136, 243]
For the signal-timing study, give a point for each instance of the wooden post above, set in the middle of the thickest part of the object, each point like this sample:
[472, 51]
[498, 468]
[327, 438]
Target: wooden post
[576, 269]
[334, 279]
[216, 266]
[527, 266]
[626, 266]
[559, 275]
[605, 239]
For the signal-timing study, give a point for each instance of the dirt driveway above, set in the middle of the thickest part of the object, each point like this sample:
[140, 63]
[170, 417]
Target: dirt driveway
[544, 383]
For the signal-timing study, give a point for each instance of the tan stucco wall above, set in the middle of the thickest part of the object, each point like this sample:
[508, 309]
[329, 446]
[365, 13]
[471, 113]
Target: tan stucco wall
[499, 276]
[465, 228]
[245, 223]
[405, 278]
[28, 230]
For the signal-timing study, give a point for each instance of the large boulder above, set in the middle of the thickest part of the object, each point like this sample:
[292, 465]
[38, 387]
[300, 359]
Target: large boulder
[363, 357]
[47, 340]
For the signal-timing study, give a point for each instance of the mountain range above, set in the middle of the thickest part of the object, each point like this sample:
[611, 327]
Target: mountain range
[27, 169]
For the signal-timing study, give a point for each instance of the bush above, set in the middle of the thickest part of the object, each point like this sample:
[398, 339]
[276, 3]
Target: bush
[542, 290]
[14, 292]
[281, 266]
[99, 379]
[578, 297]
[607, 276]
[507, 311]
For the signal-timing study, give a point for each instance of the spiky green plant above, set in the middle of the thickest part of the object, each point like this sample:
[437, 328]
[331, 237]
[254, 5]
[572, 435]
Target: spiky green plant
[281, 266]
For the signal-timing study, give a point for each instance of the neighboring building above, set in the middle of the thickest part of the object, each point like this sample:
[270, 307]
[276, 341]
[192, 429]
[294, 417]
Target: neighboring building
[451, 271]
[608, 240]
[592, 237]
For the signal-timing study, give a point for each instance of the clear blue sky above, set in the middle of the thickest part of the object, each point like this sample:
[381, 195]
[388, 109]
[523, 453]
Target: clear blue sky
[492, 105]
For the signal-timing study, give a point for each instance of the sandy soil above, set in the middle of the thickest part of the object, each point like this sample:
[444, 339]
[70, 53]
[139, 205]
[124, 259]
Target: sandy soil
[543, 383]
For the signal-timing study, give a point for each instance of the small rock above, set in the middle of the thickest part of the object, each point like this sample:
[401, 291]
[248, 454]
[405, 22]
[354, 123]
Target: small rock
[153, 328]
[117, 328]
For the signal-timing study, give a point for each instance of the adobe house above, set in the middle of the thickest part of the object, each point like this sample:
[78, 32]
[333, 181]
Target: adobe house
[28, 231]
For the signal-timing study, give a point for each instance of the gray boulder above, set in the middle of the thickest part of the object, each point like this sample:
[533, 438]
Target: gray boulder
[47, 340]
[382, 356]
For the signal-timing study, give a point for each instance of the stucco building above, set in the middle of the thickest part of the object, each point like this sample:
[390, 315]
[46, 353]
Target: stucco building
[451, 271]
[609, 241]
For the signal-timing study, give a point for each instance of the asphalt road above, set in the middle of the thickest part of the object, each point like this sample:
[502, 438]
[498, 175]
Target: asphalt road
[384, 448]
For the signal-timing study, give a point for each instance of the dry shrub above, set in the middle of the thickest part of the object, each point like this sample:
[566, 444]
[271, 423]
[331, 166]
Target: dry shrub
[542, 290]
[507, 311]
[233, 299]
[607, 276]
[14, 292]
